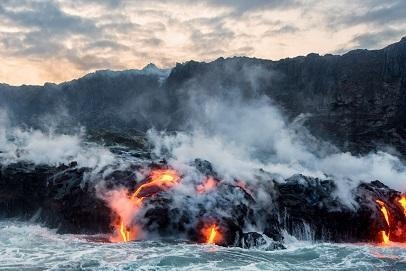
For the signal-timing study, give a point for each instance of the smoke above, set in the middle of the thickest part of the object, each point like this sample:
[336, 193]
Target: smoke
[47, 147]
[244, 135]
[236, 127]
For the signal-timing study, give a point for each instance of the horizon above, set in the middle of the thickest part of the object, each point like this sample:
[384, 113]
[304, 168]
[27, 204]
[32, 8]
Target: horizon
[202, 135]
[182, 63]
[59, 40]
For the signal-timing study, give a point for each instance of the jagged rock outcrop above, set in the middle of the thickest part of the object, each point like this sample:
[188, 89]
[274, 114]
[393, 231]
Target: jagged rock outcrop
[54, 196]
[311, 206]
[306, 207]
[357, 100]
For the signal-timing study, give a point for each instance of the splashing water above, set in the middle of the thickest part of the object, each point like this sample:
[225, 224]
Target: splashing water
[31, 247]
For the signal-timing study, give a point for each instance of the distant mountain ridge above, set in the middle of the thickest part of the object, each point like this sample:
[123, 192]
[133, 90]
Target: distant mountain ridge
[150, 69]
[357, 100]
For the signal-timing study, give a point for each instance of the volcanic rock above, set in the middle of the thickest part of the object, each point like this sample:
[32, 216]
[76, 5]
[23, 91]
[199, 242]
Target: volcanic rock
[311, 210]
[259, 241]
[307, 208]
[357, 101]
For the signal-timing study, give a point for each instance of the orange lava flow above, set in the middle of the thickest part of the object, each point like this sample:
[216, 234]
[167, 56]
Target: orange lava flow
[161, 178]
[384, 236]
[396, 228]
[125, 234]
[207, 186]
[384, 211]
[402, 203]
[212, 234]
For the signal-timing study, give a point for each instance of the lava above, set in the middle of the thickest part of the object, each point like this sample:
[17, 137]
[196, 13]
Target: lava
[125, 234]
[396, 230]
[212, 234]
[207, 186]
[384, 211]
[402, 203]
[384, 236]
[159, 178]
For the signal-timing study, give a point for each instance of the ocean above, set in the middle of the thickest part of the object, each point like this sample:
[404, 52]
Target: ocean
[26, 246]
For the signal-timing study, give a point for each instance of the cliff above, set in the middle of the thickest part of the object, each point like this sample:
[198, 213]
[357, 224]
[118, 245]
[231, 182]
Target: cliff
[356, 101]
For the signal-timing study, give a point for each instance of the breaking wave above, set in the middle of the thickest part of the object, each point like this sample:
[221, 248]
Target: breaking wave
[32, 247]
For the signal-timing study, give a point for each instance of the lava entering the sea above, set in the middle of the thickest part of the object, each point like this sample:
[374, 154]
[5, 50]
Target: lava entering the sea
[208, 185]
[215, 229]
[212, 234]
[158, 180]
[396, 228]
[402, 202]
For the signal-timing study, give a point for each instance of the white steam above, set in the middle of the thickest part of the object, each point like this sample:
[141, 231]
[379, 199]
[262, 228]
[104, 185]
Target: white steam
[240, 135]
[38, 147]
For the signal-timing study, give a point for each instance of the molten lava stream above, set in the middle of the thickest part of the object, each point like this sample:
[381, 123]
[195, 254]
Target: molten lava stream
[383, 235]
[212, 234]
[402, 203]
[384, 211]
[160, 178]
[207, 186]
[125, 234]
[163, 178]
[397, 229]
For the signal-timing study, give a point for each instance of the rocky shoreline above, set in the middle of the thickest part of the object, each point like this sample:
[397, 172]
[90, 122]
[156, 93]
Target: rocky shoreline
[303, 206]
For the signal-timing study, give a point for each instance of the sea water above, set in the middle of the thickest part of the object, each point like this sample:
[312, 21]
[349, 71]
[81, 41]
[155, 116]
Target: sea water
[25, 246]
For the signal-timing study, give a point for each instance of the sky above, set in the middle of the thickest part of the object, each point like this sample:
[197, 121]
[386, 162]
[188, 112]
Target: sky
[59, 40]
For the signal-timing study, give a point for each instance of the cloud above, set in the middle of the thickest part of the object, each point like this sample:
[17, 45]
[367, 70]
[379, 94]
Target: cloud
[87, 35]
[210, 41]
[285, 29]
[243, 6]
[376, 23]
[48, 28]
[153, 41]
[109, 44]
[377, 13]
[377, 39]
[47, 17]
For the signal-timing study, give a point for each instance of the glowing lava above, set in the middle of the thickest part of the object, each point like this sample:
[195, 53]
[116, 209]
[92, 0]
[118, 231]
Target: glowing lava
[207, 186]
[384, 236]
[384, 211]
[402, 203]
[212, 234]
[160, 178]
[125, 234]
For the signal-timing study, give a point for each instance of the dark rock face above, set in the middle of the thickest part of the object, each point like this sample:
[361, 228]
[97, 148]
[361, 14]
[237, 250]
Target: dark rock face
[18, 198]
[357, 100]
[305, 207]
[257, 240]
[227, 207]
[310, 202]
[54, 196]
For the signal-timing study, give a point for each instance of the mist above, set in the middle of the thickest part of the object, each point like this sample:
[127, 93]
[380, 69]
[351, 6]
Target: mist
[252, 143]
[235, 126]
[23, 144]
[242, 134]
